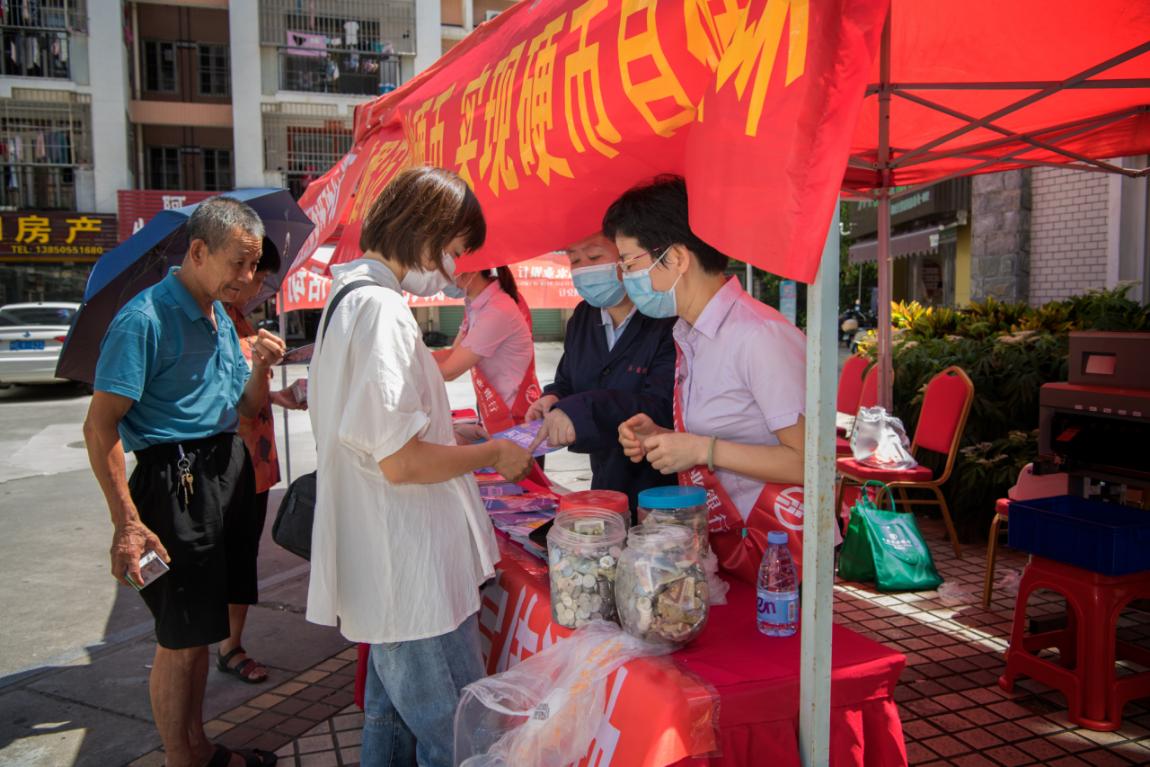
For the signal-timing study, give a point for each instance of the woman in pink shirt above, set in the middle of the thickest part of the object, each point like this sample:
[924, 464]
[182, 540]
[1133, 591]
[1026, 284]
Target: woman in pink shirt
[495, 344]
[739, 384]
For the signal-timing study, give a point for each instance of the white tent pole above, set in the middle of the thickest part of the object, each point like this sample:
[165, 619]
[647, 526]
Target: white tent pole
[885, 266]
[818, 501]
[885, 369]
[283, 385]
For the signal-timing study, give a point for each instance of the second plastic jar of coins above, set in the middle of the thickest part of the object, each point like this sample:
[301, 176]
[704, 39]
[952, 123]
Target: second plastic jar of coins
[682, 506]
[583, 550]
[661, 590]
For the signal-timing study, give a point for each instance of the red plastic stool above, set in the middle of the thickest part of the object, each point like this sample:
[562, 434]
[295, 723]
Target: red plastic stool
[1088, 646]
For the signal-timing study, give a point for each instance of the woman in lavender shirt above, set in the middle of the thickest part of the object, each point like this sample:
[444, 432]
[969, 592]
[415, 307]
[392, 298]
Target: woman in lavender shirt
[740, 379]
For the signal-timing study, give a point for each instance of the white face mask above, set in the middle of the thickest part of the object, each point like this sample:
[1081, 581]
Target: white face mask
[427, 283]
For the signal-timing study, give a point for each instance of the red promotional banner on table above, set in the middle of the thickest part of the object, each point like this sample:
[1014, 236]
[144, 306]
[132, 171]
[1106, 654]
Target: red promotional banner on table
[544, 282]
[556, 107]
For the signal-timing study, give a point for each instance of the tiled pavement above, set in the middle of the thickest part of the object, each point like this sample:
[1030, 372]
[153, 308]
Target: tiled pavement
[953, 712]
[313, 715]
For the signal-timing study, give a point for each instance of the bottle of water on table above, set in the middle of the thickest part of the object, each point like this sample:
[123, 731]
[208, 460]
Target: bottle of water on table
[778, 589]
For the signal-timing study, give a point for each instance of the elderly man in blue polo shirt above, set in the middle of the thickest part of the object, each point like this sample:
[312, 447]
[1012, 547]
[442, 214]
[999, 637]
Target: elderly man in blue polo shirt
[170, 384]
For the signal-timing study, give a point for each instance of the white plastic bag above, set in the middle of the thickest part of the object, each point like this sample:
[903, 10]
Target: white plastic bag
[544, 711]
[879, 440]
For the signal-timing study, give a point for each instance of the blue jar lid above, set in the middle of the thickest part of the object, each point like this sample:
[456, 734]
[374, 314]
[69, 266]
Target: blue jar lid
[777, 536]
[672, 497]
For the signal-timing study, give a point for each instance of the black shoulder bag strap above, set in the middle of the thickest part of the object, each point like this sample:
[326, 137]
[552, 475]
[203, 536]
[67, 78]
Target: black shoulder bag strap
[296, 514]
[339, 297]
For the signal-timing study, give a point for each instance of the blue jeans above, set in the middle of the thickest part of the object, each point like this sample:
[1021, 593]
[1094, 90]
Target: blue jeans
[411, 694]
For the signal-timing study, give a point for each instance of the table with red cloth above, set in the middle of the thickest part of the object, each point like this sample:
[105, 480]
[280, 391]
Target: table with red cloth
[731, 697]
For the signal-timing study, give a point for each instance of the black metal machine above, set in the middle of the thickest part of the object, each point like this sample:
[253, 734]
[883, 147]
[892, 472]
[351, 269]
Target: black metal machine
[1096, 426]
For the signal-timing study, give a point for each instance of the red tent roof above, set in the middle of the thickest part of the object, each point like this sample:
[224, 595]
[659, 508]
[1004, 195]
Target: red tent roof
[557, 106]
[987, 85]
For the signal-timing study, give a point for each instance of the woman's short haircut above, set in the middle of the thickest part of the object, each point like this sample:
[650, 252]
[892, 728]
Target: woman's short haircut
[655, 214]
[216, 219]
[423, 208]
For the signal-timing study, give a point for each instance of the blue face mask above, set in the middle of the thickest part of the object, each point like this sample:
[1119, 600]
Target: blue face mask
[599, 284]
[651, 302]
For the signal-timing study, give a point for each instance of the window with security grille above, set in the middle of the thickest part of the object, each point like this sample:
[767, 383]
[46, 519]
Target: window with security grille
[42, 145]
[214, 70]
[36, 36]
[45, 14]
[161, 68]
[311, 151]
[361, 74]
[217, 169]
[368, 26]
[165, 169]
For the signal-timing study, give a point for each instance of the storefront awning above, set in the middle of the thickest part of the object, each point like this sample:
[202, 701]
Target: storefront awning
[917, 243]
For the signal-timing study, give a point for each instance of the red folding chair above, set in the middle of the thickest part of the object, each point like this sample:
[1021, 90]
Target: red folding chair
[945, 407]
[851, 384]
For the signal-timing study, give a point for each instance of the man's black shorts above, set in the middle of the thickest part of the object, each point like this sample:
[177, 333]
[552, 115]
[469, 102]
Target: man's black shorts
[190, 603]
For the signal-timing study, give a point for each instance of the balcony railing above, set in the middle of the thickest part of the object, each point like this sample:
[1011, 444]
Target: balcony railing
[317, 70]
[35, 53]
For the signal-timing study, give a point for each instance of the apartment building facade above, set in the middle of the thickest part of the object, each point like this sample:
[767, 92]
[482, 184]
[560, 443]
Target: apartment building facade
[111, 110]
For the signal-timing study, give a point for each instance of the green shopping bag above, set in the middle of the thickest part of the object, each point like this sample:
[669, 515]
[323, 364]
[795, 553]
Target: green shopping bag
[886, 547]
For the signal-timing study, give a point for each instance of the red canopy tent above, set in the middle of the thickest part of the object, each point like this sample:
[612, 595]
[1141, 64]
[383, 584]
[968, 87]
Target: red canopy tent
[983, 86]
[556, 107]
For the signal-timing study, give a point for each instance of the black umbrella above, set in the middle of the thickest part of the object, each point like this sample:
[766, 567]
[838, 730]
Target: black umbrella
[144, 259]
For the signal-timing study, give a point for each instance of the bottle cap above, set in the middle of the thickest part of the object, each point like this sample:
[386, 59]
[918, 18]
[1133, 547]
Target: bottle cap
[673, 497]
[777, 536]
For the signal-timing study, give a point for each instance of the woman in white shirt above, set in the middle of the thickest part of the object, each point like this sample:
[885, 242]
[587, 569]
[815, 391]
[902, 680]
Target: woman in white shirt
[401, 541]
[495, 344]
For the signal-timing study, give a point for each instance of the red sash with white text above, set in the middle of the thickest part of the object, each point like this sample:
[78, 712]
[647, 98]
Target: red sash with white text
[493, 411]
[739, 545]
[496, 416]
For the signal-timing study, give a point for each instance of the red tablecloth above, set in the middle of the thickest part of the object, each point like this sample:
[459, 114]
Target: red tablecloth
[662, 712]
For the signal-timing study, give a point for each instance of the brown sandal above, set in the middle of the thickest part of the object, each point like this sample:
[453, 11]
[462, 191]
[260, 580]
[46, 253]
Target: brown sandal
[242, 669]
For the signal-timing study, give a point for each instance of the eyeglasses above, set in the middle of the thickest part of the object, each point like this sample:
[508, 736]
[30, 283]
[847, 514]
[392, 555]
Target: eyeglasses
[627, 262]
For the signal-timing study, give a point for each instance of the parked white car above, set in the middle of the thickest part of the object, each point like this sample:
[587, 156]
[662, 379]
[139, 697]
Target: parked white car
[31, 336]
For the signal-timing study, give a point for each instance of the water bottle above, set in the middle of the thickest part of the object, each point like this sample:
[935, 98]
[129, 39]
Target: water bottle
[778, 603]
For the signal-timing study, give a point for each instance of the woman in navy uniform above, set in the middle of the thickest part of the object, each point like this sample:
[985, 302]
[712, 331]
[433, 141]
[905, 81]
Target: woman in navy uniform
[616, 362]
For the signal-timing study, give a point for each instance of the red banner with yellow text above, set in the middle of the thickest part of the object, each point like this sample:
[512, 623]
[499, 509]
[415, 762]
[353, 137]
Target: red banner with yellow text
[556, 107]
[544, 282]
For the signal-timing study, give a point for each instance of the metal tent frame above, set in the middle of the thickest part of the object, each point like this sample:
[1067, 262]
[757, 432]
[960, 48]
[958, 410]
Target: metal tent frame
[1005, 152]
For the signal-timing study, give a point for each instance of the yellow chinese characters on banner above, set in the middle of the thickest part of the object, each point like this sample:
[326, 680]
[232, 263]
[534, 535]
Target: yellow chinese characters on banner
[553, 99]
[536, 113]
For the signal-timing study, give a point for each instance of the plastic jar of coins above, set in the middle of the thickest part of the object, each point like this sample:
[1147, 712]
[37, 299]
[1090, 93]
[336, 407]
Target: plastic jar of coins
[583, 550]
[661, 590]
[682, 506]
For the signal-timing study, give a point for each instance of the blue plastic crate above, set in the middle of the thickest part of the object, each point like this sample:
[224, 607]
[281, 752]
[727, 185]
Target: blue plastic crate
[1101, 537]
